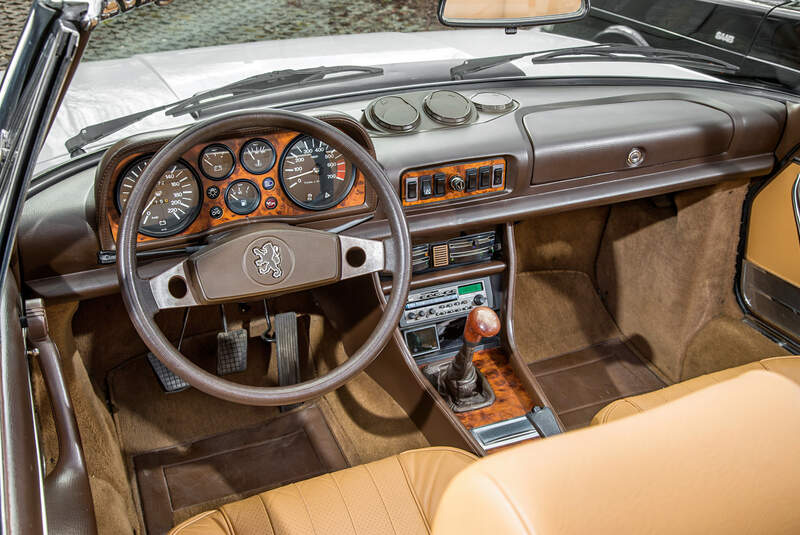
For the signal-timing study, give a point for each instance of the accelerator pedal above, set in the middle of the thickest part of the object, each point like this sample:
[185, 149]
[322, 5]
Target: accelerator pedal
[231, 348]
[168, 380]
[287, 351]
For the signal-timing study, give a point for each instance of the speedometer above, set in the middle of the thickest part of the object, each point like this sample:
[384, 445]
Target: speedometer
[315, 175]
[174, 201]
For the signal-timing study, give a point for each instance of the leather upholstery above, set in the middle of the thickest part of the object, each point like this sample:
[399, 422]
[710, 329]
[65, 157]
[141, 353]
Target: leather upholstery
[396, 495]
[722, 460]
[787, 366]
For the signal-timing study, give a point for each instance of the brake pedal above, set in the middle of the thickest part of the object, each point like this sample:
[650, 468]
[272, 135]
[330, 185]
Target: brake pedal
[168, 380]
[231, 348]
[287, 350]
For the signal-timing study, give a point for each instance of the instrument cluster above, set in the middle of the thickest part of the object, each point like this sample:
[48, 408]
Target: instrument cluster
[280, 174]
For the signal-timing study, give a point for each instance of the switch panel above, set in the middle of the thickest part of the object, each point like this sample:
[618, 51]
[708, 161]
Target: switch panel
[470, 178]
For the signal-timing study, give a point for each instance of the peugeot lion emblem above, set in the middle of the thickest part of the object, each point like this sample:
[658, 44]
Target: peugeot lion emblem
[268, 259]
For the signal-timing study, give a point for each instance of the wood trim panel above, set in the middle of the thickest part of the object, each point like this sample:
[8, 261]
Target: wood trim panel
[459, 169]
[512, 399]
[285, 207]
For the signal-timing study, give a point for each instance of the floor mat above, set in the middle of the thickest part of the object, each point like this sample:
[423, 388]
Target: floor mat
[580, 383]
[199, 475]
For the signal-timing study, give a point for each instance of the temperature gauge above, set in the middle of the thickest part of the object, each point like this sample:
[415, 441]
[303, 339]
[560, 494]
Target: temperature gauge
[257, 156]
[242, 197]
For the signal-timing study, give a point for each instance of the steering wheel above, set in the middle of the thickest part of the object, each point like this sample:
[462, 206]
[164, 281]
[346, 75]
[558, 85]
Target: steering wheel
[261, 260]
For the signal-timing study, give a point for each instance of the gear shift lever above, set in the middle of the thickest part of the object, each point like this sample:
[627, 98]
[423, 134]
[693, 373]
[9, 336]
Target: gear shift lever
[459, 381]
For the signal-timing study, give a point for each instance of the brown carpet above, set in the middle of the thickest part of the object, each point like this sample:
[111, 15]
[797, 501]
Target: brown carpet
[200, 475]
[581, 383]
[558, 312]
[665, 272]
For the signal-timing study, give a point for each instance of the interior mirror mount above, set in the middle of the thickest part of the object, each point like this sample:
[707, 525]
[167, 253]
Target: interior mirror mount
[510, 14]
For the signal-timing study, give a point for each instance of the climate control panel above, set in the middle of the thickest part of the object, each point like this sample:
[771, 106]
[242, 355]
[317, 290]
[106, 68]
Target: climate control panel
[453, 181]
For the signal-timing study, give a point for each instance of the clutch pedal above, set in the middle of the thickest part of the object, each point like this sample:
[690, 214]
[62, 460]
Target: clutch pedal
[169, 381]
[231, 348]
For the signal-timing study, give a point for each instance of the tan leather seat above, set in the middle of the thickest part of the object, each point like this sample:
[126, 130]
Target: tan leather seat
[397, 495]
[722, 460]
[787, 366]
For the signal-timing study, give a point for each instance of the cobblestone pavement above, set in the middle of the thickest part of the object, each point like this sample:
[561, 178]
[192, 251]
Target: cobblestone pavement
[197, 23]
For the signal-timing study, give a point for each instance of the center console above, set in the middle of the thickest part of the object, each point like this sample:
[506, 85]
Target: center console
[457, 292]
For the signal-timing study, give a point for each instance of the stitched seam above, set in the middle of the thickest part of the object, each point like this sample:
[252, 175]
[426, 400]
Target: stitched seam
[266, 512]
[227, 521]
[460, 452]
[414, 495]
[378, 490]
[346, 508]
[510, 502]
[191, 521]
[308, 511]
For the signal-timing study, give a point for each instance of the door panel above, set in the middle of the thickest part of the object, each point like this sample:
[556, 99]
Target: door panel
[770, 271]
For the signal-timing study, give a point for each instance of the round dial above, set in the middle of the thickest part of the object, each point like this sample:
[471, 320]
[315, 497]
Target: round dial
[216, 161]
[242, 197]
[257, 156]
[173, 204]
[315, 175]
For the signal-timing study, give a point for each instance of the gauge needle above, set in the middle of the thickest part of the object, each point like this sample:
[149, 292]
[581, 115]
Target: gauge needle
[152, 200]
[301, 174]
[234, 197]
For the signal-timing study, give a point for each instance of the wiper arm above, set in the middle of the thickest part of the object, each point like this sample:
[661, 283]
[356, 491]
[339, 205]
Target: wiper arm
[271, 81]
[602, 52]
[266, 82]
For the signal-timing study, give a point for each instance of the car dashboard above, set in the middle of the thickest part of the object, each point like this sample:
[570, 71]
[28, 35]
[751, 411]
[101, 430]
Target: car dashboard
[461, 159]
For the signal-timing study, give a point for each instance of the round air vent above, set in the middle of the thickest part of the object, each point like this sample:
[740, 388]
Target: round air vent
[394, 113]
[448, 107]
[492, 102]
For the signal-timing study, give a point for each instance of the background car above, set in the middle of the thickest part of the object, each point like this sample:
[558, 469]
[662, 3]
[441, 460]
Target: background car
[761, 36]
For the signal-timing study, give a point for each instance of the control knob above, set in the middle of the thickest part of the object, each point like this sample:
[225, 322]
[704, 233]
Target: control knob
[479, 300]
[457, 183]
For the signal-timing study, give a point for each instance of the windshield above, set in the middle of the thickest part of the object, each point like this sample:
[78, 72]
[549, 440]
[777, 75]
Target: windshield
[152, 57]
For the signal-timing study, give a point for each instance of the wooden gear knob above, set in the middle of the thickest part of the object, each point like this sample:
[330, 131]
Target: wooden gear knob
[482, 322]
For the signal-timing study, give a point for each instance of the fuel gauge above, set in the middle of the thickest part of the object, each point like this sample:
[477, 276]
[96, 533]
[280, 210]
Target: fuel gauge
[242, 197]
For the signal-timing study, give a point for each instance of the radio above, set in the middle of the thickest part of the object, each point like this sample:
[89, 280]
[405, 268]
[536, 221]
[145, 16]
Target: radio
[440, 302]
[433, 319]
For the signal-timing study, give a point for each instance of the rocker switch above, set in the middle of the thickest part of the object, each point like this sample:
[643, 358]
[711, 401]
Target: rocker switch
[411, 189]
[425, 187]
[439, 183]
[472, 179]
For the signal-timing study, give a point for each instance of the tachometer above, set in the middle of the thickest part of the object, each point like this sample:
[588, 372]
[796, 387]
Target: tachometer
[315, 175]
[173, 204]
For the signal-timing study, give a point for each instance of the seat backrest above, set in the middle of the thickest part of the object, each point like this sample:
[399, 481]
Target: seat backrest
[725, 459]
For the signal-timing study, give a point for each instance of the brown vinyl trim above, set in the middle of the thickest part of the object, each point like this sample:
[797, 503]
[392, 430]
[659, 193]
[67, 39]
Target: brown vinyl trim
[68, 496]
[21, 468]
[517, 363]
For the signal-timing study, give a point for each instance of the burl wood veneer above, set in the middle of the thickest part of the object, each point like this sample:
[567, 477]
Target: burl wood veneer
[204, 221]
[511, 398]
[459, 169]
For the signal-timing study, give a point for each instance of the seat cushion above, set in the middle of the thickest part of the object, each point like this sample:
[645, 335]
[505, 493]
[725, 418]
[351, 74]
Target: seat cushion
[398, 494]
[720, 461]
[786, 366]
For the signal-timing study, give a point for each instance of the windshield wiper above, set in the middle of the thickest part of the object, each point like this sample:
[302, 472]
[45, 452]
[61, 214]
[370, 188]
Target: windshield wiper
[602, 52]
[260, 83]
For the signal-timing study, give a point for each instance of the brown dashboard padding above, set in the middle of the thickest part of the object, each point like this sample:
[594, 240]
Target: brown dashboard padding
[396, 495]
[720, 461]
[787, 366]
[773, 242]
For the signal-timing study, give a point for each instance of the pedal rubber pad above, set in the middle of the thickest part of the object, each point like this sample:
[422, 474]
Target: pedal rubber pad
[168, 380]
[287, 351]
[231, 351]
